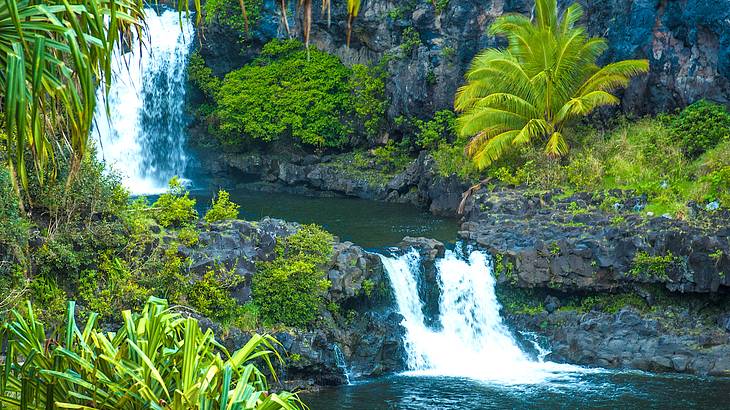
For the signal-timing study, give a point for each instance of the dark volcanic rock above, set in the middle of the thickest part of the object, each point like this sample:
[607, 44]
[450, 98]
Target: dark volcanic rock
[628, 339]
[364, 326]
[686, 41]
[572, 244]
[418, 184]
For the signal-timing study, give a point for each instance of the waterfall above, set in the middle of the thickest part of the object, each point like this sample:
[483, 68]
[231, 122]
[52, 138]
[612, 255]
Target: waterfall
[342, 364]
[473, 341]
[143, 134]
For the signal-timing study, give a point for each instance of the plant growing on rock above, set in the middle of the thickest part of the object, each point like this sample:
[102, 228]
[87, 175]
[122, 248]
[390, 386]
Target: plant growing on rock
[289, 289]
[544, 79]
[175, 208]
[222, 208]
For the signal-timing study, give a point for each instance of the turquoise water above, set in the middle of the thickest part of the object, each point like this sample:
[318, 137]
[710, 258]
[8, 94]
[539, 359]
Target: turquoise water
[369, 224]
[604, 390]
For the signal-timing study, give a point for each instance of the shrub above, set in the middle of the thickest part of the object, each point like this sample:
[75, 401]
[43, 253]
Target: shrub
[221, 208]
[211, 294]
[202, 76]
[700, 127]
[439, 129]
[289, 290]
[368, 88]
[228, 13]
[585, 171]
[175, 208]
[410, 40]
[13, 228]
[287, 91]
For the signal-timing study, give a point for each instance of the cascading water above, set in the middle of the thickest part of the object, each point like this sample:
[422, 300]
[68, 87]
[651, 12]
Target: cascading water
[143, 134]
[473, 341]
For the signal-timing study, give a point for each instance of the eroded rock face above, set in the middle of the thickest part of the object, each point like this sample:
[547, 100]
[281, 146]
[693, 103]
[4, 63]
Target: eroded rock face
[670, 341]
[364, 325]
[686, 41]
[418, 184]
[573, 244]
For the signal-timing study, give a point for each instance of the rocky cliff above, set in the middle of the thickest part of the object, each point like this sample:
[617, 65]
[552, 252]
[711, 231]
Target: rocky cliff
[427, 50]
[364, 327]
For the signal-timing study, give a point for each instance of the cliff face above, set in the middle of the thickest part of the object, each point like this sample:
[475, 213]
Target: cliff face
[686, 41]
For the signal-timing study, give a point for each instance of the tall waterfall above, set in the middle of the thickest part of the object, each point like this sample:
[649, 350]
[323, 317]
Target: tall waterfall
[473, 341]
[142, 136]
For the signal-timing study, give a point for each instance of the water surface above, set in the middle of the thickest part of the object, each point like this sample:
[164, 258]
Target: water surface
[602, 390]
[367, 223]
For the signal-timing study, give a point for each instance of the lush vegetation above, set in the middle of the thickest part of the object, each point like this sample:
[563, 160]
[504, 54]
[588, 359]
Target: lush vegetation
[544, 79]
[291, 94]
[157, 359]
[297, 270]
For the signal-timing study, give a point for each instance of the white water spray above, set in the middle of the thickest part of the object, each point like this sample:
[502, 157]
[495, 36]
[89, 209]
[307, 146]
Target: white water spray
[142, 138]
[472, 342]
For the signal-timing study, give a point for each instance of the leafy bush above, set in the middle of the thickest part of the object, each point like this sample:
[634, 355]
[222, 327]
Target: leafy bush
[439, 129]
[222, 208]
[368, 88]
[228, 13]
[211, 294]
[289, 290]
[701, 126]
[202, 76]
[410, 41]
[175, 208]
[287, 91]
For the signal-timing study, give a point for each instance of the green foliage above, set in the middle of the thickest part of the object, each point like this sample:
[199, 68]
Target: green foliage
[188, 236]
[211, 294]
[367, 287]
[110, 289]
[229, 13]
[700, 127]
[202, 76]
[545, 78]
[653, 266]
[410, 41]
[289, 289]
[441, 5]
[585, 171]
[434, 132]
[157, 358]
[389, 157]
[221, 208]
[368, 88]
[13, 229]
[288, 91]
[175, 208]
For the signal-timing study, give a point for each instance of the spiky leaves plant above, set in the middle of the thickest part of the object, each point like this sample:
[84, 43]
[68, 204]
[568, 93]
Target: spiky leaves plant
[157, 359]
[53, 55]
[546, 77]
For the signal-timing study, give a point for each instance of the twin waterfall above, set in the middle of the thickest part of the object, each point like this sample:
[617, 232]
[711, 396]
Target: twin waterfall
[472, 340]
[142, 135]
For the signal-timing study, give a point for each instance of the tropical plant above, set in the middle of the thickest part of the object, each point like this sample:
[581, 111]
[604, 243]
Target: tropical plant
[54, 55]
[221, 208]
[158, 359]
[546, 77]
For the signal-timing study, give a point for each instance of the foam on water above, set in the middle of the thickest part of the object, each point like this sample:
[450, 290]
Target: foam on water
[142, 136]
[473, 341]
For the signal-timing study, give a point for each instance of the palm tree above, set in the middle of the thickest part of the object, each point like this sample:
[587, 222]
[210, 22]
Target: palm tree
[546, 77]
[53, 56]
